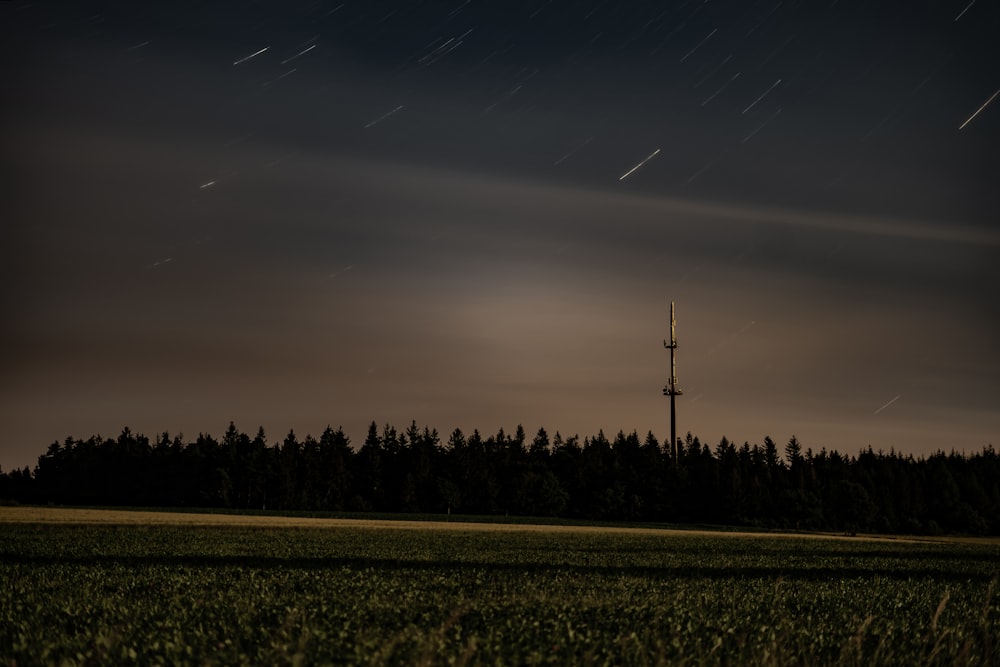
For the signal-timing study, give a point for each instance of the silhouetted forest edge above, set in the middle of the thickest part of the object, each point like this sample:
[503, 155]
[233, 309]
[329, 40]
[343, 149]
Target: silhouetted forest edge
[415, 472]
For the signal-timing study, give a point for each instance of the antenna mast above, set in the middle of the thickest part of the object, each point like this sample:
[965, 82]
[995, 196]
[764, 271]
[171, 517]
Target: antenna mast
[671, 389]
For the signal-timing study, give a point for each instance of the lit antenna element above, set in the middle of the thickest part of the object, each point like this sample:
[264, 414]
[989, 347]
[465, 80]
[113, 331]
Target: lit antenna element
[671, 389]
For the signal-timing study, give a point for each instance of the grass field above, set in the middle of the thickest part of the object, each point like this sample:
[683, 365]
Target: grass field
[97, 587]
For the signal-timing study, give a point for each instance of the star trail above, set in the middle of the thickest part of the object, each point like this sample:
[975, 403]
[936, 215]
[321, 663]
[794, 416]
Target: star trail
[476, 215]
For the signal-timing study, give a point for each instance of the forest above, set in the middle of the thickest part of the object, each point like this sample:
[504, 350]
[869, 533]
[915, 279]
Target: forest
[625, 478]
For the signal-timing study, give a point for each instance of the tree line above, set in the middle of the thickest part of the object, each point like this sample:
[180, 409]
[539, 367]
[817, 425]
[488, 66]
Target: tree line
[625, 478]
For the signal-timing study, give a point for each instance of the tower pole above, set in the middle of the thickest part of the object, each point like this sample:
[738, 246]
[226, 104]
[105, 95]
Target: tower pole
[671, 389]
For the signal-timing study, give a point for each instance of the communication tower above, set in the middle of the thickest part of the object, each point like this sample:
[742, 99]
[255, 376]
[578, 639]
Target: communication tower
[671, 388]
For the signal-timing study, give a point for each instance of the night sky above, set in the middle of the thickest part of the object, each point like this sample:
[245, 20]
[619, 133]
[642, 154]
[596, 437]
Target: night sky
[475, 214]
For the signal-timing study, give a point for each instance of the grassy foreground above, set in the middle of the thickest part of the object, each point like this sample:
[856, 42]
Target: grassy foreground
[91, 587]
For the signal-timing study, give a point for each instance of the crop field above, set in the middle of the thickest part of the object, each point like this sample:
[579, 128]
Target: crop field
[90, 587]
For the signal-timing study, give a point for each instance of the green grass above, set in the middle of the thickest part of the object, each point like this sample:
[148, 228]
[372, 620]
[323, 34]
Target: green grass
[171, 594]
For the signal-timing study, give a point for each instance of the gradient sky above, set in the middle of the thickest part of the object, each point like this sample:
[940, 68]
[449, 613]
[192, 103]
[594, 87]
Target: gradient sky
[307, 213]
